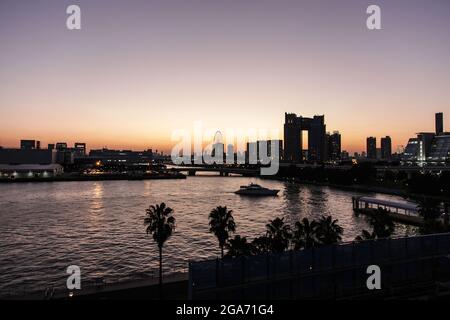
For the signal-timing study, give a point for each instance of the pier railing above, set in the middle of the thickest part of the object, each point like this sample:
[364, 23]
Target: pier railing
[330, 271]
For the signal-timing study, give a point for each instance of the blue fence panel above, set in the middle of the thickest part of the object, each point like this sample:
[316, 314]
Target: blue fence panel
[323, 258]
[427, 246]
[302, 261]
[344, 281]
[203, 274]
[413, 248]
[380, 250]
[256, 291]
[398, 248]
[307, 287]
[231, 272]
[402, 261]
[363, 253]
[281, 263]
[343, 256]
[443, 243]
[256, 268]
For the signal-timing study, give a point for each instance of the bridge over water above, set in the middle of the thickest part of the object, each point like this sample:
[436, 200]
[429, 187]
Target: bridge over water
[222, 170]
[226, 170]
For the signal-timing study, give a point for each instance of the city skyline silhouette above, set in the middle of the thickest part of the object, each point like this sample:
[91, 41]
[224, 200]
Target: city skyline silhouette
[137, 71]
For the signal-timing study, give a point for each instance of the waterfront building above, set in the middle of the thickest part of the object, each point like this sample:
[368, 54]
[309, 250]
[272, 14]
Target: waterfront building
[27, 156]
[418, 149]
[218, 148]
[277, 145]
[251, 153]
[334, 146]
[64, 155]
[425, 141]
[440, 149]
[27, 171]
[61, 146]
[431, 147]
[29, 144]
[386, 148]
[293, 140]
[411, 152]
[79, 149]
[371, 147]
[439, 119]
[125, 157]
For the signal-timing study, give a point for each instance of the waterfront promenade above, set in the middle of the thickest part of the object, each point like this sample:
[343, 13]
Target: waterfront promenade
[98, 177]
[175, 287]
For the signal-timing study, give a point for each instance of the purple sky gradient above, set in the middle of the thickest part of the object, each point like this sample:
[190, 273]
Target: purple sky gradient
[140, 69]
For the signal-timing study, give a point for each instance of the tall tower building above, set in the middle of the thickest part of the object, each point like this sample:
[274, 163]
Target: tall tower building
[386, 148]
[293, 141]
[292, 138]
[439, 123]
[371, 148]
[334, 146]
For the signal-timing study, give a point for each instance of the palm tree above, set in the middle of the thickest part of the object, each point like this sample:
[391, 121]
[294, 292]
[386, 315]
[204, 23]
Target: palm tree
[160, 224]
[382, 224]
[305, 234]
[261, 245]
[221, 223]
[329, 232]
[430, 211]
[238, 247]
[366, 235]
[279, 234]
[429, 208]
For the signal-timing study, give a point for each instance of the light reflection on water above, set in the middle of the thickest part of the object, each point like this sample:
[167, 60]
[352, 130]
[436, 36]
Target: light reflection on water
[45, 227]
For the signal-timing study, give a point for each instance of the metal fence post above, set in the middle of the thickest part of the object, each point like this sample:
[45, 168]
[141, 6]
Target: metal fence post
[190, 284]
[291, 289]
[268, 276]
[334, 271]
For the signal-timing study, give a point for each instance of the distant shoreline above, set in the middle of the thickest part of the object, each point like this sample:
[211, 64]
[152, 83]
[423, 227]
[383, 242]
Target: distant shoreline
[360, 188]
[103, 177]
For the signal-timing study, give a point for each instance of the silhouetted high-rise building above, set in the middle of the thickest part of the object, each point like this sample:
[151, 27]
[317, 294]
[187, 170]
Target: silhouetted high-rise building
[371, 148]
[80, 149]
[264, 149]
[121, 157]
[439, 123]
[61, 146]
[418, 149]
[425, 141]
[27, 144]
[293, 142]
[386, 148]
[334, 146]
[218, 149]
[344, 155]
[440, 149]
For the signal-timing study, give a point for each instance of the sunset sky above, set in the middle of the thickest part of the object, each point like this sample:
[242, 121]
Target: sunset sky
[138, 70]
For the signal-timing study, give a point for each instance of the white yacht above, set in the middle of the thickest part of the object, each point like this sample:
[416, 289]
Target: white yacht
[256, 190]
